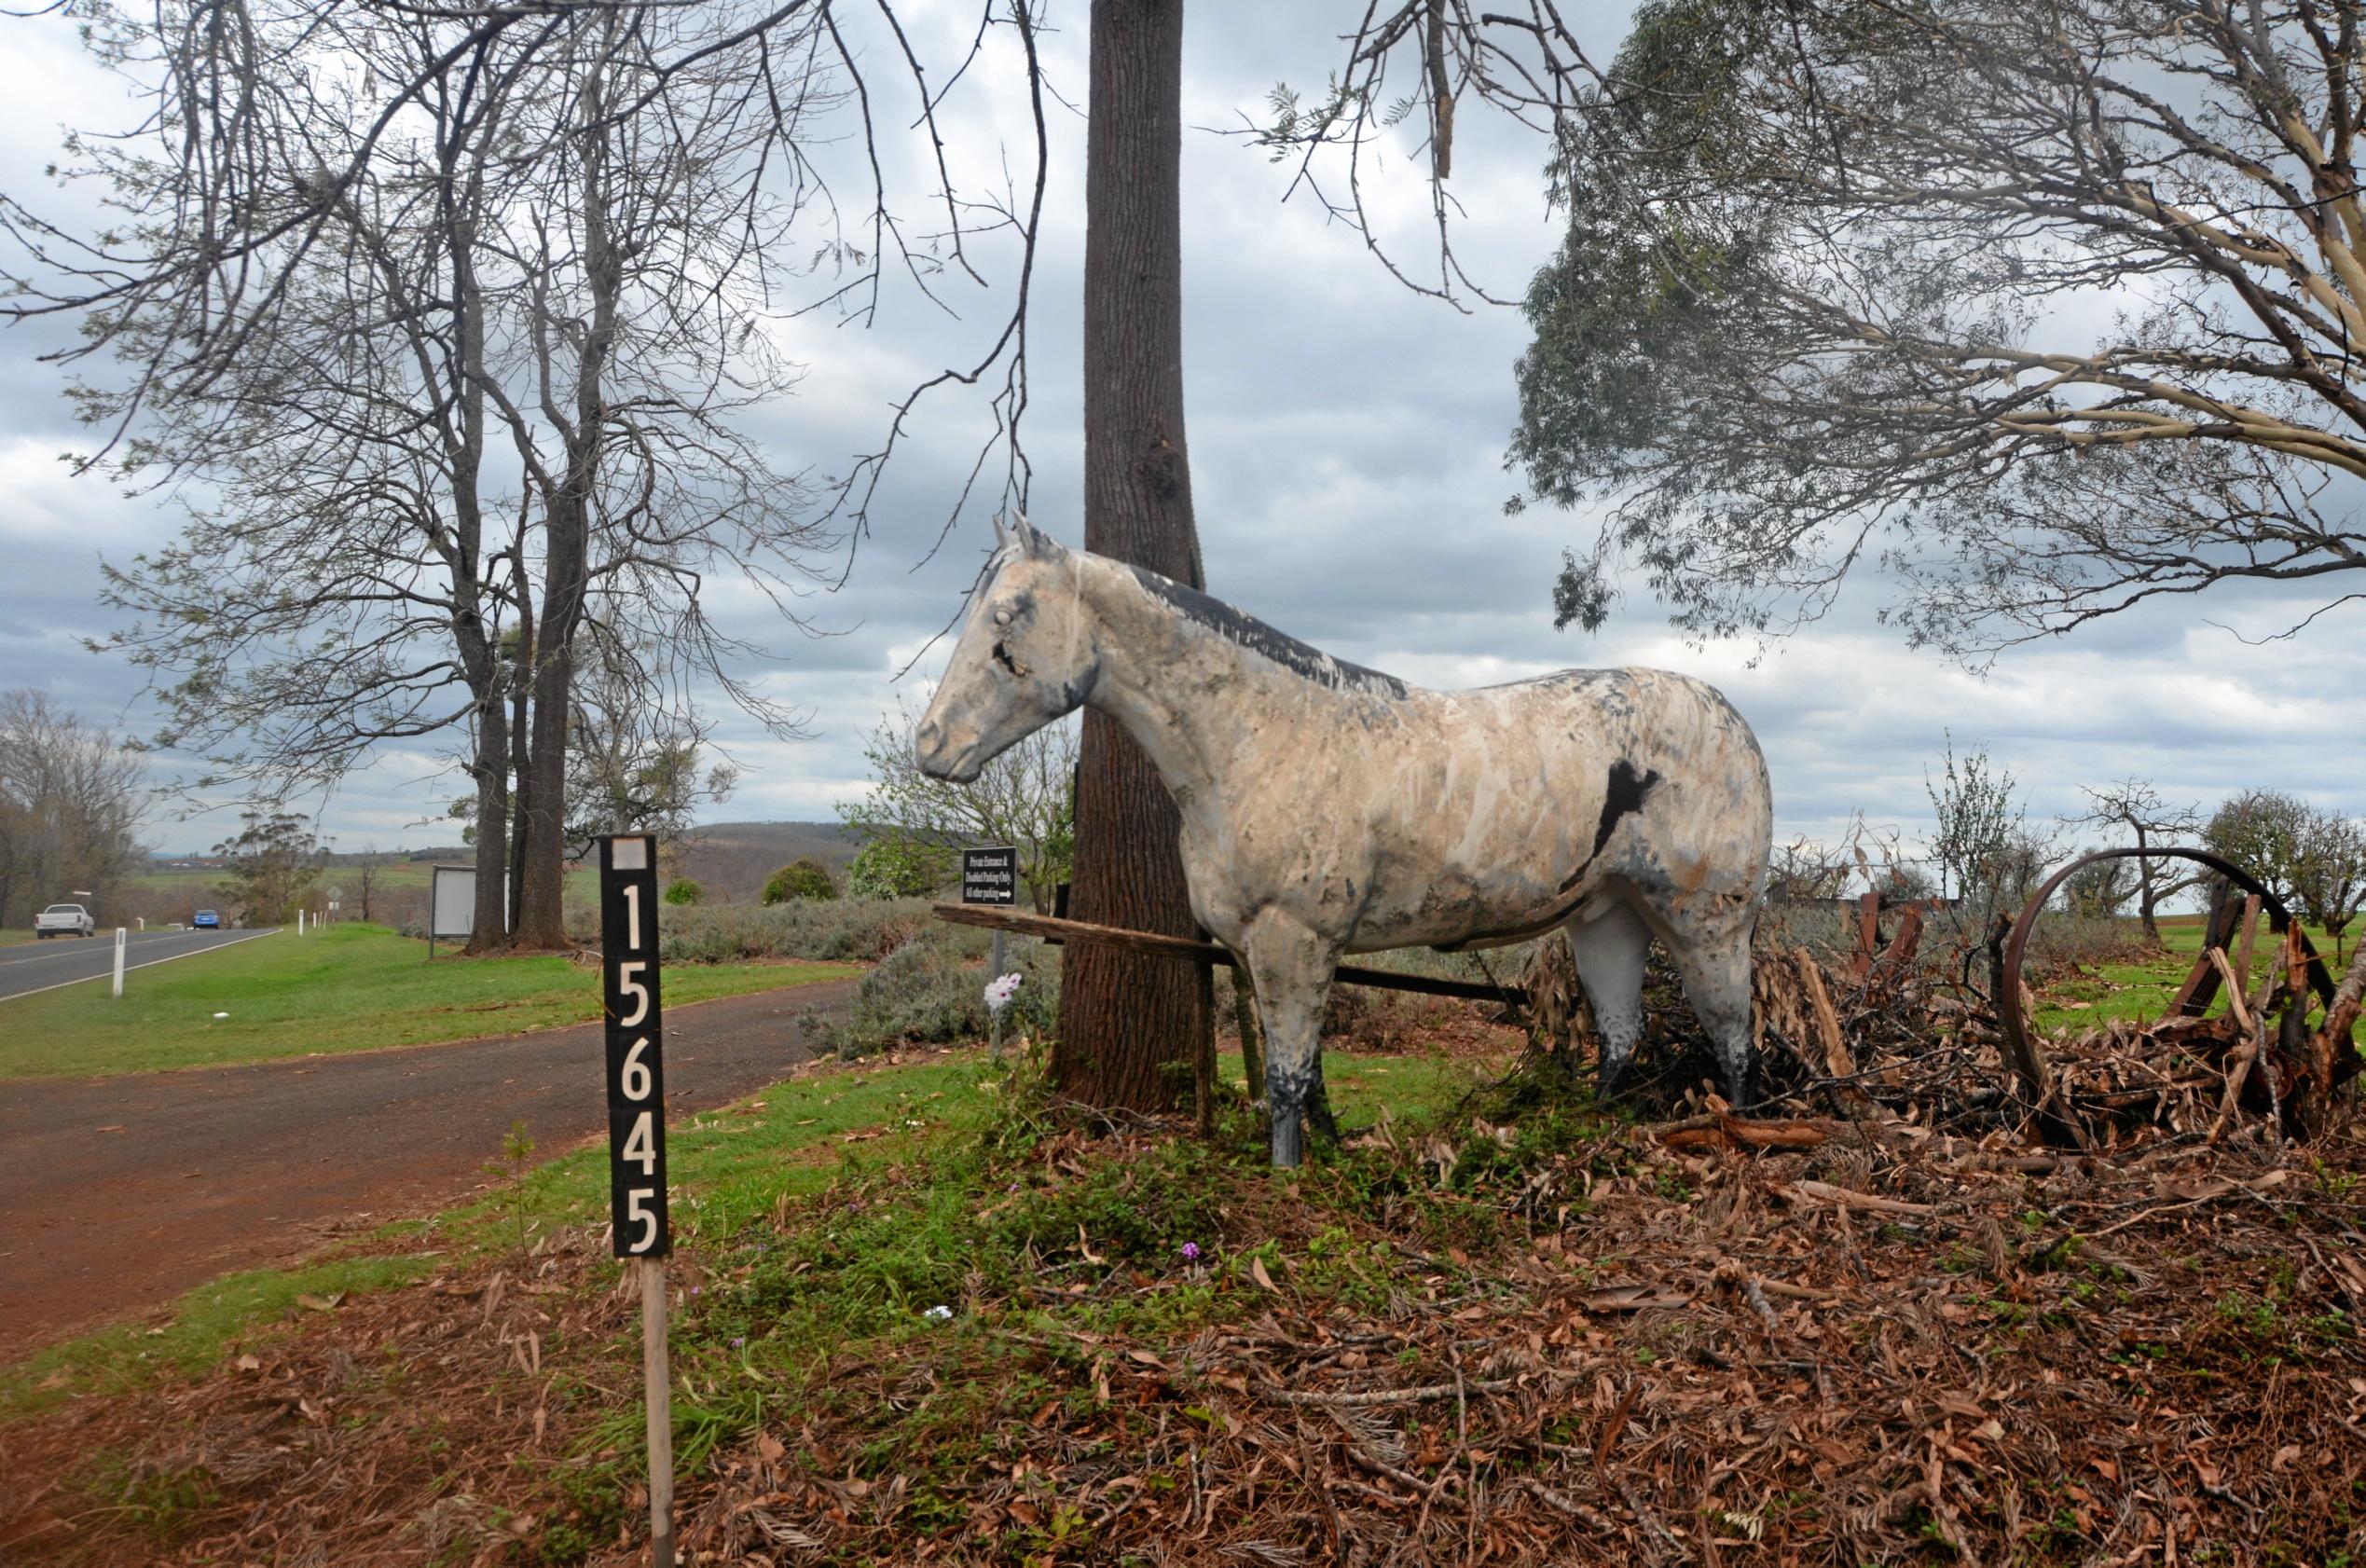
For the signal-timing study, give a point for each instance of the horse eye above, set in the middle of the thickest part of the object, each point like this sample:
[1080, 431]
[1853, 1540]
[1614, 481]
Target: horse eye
[1002, 617]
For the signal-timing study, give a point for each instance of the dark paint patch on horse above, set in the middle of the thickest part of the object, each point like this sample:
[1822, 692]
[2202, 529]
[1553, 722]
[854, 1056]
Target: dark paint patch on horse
[1625, 796]
[1248, 631]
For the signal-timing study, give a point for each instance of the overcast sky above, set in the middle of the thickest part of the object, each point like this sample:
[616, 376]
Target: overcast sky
[1346, 442]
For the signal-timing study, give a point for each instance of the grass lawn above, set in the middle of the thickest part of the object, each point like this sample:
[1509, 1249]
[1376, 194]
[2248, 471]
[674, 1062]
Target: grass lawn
[348, 987]
[2141, 991]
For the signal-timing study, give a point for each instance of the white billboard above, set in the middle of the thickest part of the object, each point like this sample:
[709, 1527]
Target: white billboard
[451, 904]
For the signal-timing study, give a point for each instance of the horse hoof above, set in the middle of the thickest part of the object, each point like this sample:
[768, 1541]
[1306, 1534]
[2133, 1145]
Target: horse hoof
[1742, 1087]
[1610, 1081]
[1288, 1147]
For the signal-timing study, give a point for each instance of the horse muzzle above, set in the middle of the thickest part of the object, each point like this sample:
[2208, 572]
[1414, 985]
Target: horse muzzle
[937, 756]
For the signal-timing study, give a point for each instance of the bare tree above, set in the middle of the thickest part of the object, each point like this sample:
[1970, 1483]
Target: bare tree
[2134, 806]
[365, 877]
[1815, 308]
[535, 270]
[635, 765]
[71, 799]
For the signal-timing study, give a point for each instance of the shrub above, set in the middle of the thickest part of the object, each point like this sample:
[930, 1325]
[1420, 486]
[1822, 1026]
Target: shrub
[861, 930]
[931, 991]
[895, 868]
[807, 878]
[683, 890]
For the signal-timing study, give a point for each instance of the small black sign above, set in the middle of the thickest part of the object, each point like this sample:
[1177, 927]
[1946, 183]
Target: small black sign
[990, 876]
[636, 1046]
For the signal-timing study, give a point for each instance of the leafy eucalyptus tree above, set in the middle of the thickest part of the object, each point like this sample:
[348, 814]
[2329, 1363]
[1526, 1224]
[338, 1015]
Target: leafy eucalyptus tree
[2046, 309]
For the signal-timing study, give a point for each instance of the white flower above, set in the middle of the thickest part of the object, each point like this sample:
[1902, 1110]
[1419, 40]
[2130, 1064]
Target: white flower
[1000, 991]
[943, 1314]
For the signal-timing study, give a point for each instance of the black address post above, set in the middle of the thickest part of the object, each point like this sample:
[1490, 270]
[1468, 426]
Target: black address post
[639, 1224]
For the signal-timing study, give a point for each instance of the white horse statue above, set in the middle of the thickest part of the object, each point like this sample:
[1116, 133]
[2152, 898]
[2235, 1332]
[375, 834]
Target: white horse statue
[1330, 809]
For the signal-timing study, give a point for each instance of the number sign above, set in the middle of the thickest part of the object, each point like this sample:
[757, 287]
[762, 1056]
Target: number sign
[636, 1046]
[990, 876]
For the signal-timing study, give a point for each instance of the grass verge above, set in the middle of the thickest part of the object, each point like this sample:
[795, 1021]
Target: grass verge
[2141, 989]
[347, 987]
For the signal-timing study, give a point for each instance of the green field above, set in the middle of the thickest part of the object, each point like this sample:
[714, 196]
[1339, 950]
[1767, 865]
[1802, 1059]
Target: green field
[199, 888]
[2141, 991]
[350, 987]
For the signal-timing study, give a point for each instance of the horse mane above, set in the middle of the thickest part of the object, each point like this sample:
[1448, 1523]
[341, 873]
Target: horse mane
[1246, 631]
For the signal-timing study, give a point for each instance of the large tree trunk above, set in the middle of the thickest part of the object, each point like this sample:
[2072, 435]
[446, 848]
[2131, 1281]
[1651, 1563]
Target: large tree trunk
[566, 522]
[1132, 1026]
[489, 930]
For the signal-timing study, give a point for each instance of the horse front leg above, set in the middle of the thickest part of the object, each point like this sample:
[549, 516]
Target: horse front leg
[1293, 967]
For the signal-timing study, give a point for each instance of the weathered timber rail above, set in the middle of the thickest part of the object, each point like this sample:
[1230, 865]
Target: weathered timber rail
[1054, 930]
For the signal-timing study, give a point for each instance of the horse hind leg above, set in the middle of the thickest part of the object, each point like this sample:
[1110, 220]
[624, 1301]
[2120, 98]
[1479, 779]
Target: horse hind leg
[1610, 943]
[1715, 969]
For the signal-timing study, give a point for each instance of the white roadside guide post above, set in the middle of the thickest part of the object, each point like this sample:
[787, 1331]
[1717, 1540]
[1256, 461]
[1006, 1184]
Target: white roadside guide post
[991, 877]
[120, 940]
[639, 1226]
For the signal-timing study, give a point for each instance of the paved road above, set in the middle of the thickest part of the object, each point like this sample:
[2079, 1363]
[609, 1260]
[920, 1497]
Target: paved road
[116, 1194]
[47, 962]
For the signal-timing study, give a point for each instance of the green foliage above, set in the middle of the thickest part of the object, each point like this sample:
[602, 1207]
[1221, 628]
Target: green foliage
[1986, 854]
[2260, 830]
[895, 866]
[931, 991]
[274, 863]
[1789, 333]
[806, 878]
[682, 890]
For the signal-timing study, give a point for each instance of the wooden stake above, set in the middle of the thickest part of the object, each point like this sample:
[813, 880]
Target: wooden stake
[657, 1392]
[996, 960]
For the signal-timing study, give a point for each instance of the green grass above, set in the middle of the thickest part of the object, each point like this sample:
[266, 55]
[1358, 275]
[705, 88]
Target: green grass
[730, 1170]
[2141, 991]
[347, 988]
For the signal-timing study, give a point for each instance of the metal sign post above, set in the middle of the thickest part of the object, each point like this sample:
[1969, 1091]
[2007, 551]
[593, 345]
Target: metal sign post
[639, 1226]
[991, 877]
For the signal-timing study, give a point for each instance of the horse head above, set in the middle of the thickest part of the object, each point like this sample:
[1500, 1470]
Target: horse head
[1026, 657]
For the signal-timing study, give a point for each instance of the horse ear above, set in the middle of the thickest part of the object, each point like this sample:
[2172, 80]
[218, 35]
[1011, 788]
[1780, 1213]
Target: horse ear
[1001, 534]
[1034, 542]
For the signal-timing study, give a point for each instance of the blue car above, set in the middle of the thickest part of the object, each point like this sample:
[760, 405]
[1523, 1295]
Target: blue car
[205, 919]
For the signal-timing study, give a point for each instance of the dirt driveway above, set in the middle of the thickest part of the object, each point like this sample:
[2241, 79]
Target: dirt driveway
[116, 1194]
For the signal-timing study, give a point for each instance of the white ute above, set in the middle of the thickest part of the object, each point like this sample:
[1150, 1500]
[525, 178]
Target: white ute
[64, 920]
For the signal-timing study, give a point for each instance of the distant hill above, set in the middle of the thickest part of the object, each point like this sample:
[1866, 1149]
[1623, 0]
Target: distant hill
[732, 860]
